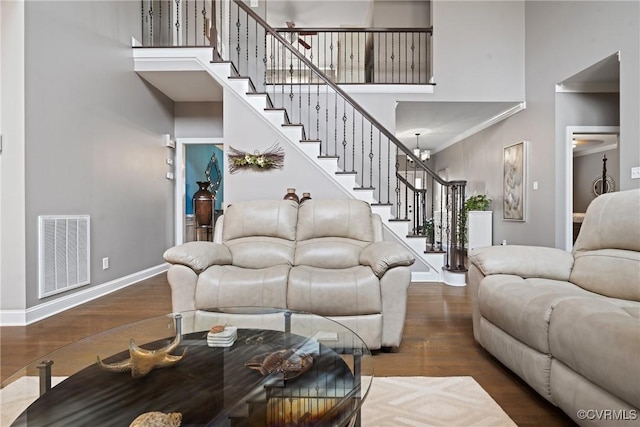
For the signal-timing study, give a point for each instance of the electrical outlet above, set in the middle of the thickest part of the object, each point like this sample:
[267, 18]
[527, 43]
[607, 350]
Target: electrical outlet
[105, 263]
[635, 172]
[535, 185]
[169, 175]
[170, 162]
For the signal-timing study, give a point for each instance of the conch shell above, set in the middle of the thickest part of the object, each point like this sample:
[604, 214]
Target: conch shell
[288, 363]
[157, 419]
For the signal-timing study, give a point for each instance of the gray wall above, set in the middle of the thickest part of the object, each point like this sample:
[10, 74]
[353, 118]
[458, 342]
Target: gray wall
[198, 120]
[93, 137]
[401, 13]
[585, 170]
[557, 46]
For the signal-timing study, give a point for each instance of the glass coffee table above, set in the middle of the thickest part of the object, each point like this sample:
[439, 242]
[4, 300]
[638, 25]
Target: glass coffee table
[258, 367]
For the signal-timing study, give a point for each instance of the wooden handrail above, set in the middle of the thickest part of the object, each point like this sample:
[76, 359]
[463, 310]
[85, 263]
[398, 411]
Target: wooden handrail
[342, 93]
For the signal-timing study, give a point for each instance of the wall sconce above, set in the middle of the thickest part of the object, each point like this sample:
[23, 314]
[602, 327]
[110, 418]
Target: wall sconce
[167, 141]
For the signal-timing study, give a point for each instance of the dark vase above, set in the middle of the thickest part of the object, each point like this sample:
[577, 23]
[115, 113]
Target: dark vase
[305, 196]
[203, 201]
[291, 195]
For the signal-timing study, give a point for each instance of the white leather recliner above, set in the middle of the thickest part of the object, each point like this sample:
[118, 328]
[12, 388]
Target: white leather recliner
[325, 257]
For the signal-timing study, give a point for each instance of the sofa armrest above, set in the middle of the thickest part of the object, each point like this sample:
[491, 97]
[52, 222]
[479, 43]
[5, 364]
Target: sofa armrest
[381, 256]
[198, 255]
[523, 261]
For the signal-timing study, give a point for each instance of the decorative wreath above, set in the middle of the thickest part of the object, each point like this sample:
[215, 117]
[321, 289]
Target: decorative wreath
[272, 158]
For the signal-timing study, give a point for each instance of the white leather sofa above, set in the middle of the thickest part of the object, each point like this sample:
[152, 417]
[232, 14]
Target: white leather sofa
[569, 323]
[325, 257]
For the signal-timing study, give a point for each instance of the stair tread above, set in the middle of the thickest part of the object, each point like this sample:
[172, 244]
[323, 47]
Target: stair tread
[435, 252]
[346, 173]
[381, 204]
[399, 220]
[310, 140]
[328, 157]
[415, 236]
[293, 124]
[364, 188]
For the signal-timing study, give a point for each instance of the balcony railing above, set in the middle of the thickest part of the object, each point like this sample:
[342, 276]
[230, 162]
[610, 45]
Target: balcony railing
[364, 55]
[346, 55]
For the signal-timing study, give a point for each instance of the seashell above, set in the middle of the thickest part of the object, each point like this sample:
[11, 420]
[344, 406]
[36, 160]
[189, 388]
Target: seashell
[288, 363]
[157, 419]
[217, 328]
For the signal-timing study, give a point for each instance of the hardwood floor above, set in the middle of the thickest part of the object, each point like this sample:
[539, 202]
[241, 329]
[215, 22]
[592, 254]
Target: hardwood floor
[438, 341]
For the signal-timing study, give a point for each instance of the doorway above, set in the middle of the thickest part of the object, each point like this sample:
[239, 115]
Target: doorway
[586, 147]
[193, 156]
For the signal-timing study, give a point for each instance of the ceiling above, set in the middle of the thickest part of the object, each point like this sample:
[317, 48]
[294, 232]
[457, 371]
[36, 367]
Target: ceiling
[185, 86]
[441, 124]
[589, 143]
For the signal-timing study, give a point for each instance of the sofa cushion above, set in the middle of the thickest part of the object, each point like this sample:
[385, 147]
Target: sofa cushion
[334, 292]
[329, 252]
[346, 218]
[261, 252]
[522, 307]
[611, 272]
[268, 218]
[198, 255]
[607, 258]
[611, 222]
[601, 342]
[232, 286]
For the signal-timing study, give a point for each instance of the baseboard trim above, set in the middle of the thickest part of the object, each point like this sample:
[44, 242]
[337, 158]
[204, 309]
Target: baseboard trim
[424, 277]
[47, 309]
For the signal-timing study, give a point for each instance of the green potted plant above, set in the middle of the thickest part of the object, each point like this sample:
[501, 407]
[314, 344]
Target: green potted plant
[478, 202]
[475, 205]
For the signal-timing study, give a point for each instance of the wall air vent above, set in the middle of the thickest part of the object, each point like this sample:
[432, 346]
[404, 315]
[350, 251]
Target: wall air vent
[63, 245]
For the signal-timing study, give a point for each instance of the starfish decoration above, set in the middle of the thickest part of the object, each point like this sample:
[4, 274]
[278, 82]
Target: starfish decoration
[141, 361]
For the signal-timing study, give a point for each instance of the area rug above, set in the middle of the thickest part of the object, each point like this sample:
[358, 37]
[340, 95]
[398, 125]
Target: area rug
[392, 402]
[431, 401]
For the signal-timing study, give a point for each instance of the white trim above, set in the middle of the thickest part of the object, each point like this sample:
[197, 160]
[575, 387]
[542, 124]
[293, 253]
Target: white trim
[482, 126]
[423, 277]
[387, 88]
[454, 279]
[180, 180]
[602, 87]
[595, 150]
[42, 311]
[568, 176]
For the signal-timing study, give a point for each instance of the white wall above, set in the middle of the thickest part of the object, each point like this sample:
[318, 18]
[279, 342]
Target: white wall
[298, 172]
[12, 158]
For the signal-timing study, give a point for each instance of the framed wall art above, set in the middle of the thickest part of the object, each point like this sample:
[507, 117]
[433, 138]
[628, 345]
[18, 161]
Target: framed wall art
[514, 182]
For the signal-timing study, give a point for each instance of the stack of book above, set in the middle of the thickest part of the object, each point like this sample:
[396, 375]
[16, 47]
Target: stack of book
[224, 338]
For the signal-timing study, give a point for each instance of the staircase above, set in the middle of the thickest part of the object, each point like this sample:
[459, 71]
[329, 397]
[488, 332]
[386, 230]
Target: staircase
[340, 139]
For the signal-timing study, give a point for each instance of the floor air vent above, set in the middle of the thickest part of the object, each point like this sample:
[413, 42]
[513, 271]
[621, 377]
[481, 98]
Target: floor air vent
[63, 253]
